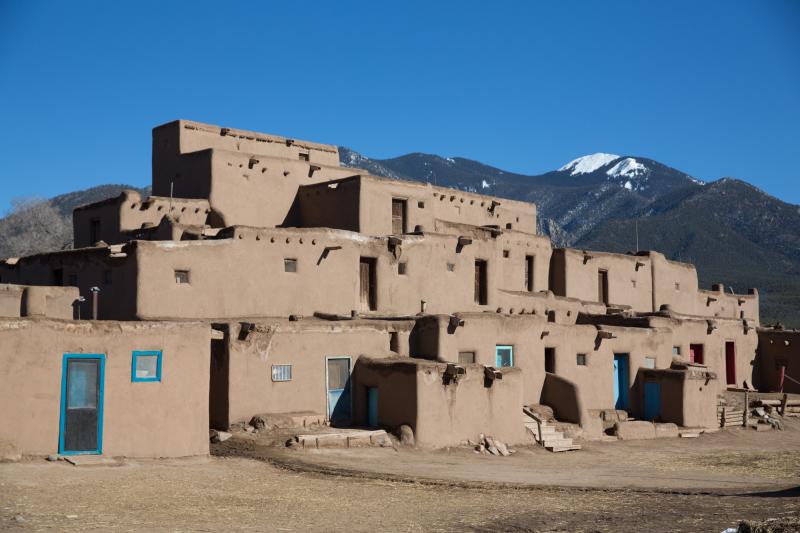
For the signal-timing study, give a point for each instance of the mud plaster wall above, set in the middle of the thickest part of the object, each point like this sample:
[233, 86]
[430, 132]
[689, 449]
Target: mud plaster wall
[305, 347]
[29, 301]
[166, 419]
[444, 415]
[244, 276]
[688, 397]
[775, 349]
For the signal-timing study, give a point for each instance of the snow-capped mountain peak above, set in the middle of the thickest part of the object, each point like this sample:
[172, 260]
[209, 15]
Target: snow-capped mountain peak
[628, 167]
[588, 163]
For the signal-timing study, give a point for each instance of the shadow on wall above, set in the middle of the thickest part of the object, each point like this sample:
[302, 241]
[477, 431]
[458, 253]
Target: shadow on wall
[562, 395]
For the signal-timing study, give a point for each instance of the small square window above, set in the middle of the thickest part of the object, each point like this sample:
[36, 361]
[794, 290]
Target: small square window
[401, 268]
[146, 366]
[580, 359]
[281, 372]
[290, 265]
[466, 358]
[181, 277]
[508, 225]
[649, 362]
[304, 156]
[421, 205]
[506, 254]
[676, 350]
[451, 267]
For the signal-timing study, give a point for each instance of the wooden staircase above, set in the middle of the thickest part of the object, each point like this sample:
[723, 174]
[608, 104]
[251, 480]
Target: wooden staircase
[545, 434]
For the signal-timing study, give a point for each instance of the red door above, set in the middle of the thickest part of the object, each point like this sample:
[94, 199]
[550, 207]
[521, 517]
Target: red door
[696, 353]
[730, 363]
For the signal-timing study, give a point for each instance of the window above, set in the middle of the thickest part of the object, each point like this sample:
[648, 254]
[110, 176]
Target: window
[649, 362]
[281, 372]
[182, 277]
[696, 353]
[421, 205]
[146, 366]
[529, 273]
[368, 283]
[508, 225]
[466, 358]
[106, 277]
[401, 268]
[504, 356]
[451, 267]
[506, 254]
[580, 359]
[304, 156]
[676, 350]
[550, 360]
[290, 265]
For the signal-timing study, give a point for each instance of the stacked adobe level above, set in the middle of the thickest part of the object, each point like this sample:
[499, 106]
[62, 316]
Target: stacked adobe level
[369, 301]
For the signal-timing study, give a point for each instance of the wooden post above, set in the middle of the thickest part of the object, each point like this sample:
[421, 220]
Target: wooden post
[722, 421]
[783, 404]
[746, 406]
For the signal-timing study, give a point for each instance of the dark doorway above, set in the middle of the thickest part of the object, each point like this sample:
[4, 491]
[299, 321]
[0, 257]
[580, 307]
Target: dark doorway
[529, 273]
[730, 363]
[602, 286]
[218, 406]
[82, 404]
[367, 282]
[696, 354]
[58, 277]
[481, 297]
[94, 231]
[398, 216]
[550, 360]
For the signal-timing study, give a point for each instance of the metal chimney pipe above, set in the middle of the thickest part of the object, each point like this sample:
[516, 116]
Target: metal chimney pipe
[95, 291]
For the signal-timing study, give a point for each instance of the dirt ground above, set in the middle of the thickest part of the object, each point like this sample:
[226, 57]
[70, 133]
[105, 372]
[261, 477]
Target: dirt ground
[381, 489]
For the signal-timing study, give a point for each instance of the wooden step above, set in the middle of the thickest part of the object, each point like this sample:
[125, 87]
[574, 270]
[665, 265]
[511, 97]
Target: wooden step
[557, 442]
[563, 448]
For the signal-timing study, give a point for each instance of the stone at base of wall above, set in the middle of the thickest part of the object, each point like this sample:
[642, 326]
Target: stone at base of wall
[636, 429]
[9, 452]
[666, 430]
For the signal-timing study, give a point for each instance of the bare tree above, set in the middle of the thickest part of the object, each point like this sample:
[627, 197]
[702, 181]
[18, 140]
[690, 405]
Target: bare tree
[33, 226]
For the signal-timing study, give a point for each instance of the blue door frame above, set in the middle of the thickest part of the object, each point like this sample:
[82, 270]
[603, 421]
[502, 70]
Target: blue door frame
[100, 394]
[620, 381]
[372, 407]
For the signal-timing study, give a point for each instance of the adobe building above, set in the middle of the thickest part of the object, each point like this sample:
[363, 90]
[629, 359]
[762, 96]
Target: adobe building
[317, 290]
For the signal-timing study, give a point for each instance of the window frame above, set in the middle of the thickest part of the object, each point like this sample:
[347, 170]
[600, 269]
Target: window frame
[579, 357]
[284, 365]
[510, 348]
[135, 355]
[180, 271]
[290, 262]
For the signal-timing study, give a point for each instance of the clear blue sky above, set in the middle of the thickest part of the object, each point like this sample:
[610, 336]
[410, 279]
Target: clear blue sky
[711, 88]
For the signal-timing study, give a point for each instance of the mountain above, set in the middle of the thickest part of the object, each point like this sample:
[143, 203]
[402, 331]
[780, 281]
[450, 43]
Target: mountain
[733, 232]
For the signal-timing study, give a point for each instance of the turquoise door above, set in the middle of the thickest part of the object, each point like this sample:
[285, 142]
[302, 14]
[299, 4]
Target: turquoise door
[652, 400]
[81, 424]
[338, 390]
[620, 381]
[372, 407]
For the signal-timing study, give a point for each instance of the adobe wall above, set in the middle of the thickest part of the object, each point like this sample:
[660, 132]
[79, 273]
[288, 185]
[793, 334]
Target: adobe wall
[140, 419]
[413, 392]
[108, 268]
[305, 345]
[128, 212]
[244, 275]
[29, 301]
[688, 396]
[776, 349]
[237, 170]
[426, 205]
[630, 279]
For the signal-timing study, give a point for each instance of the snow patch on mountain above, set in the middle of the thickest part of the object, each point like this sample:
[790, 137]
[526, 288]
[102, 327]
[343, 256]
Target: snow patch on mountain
[588, 163]
[485, 184]
[628, 167]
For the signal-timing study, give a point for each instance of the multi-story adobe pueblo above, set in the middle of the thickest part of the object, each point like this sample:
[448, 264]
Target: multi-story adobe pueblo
[264, 277]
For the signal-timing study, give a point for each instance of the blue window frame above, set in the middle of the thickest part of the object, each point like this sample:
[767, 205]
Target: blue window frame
[146, 365]
[77, 391]
[504, 356]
